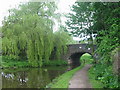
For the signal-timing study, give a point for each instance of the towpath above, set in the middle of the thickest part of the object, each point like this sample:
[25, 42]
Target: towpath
[80, 78]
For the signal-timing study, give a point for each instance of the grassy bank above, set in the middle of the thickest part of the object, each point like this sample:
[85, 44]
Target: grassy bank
[13, 63]
[87, 59]
[63, 80]
[95, 83]
[101, 76]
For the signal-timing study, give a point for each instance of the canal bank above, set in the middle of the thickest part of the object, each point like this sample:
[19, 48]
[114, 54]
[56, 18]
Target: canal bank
[6, 62]
[63, 80]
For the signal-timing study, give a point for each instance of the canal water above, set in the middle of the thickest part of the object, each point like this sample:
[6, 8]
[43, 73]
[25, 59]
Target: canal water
[31, 77]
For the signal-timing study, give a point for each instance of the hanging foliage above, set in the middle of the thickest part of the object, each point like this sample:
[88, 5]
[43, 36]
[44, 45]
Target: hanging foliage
[28, 34]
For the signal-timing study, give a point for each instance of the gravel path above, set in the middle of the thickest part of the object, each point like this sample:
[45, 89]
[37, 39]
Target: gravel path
[80, 79]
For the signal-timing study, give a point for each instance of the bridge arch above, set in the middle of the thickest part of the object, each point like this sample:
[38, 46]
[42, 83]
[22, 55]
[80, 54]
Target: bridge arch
[75, 51]
[75, 58]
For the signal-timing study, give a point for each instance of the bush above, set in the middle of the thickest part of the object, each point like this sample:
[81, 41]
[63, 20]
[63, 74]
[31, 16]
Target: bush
[86, 58]
[55, 63]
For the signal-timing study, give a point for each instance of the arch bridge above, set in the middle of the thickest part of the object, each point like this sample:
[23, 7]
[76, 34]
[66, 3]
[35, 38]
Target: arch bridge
[75, 51]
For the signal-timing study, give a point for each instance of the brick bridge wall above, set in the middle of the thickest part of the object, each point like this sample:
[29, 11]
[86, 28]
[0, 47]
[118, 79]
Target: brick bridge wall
[75, 51]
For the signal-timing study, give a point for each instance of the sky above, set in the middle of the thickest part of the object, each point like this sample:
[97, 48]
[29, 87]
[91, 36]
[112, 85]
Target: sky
[63, 7]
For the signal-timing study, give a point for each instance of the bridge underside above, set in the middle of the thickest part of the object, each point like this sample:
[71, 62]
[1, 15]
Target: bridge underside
[75, 58]
[75, 51]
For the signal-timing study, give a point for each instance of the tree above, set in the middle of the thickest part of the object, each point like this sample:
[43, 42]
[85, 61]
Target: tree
[80, 21]
[105, 22]
[28, 33]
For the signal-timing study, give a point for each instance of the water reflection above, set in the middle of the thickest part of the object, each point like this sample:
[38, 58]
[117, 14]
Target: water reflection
[30, 77]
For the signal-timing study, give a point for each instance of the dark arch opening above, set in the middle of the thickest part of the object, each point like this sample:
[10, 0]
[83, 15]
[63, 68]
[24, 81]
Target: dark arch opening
[75, 59]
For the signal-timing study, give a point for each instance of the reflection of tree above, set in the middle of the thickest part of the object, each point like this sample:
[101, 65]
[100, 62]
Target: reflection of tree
[55, 73]
[38, 78]
[69, 68]
[8, 81]
[32, 78]
[14, 80]
[22, 78]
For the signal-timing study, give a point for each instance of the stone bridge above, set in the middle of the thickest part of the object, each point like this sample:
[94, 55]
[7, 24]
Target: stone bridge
[75, 51]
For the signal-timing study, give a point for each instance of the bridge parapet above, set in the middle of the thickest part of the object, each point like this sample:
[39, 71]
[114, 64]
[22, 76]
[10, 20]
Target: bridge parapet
[75, 51]
[79, 48]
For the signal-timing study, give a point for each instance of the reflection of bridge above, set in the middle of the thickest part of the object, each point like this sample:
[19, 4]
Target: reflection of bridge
[75, 51]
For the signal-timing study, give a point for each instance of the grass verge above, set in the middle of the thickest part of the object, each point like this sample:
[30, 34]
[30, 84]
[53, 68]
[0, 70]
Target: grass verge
[13, 63]
[8, 63]
[94, 83]
[63, 80]
[87, 59]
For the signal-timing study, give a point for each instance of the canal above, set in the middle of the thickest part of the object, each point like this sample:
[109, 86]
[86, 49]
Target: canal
[31, 77]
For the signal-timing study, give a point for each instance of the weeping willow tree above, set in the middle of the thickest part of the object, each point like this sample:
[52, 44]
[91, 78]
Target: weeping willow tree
[62, 38]
[28, 33]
